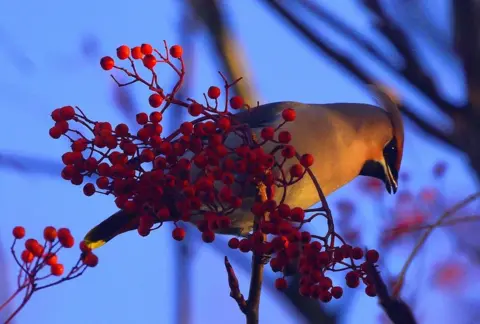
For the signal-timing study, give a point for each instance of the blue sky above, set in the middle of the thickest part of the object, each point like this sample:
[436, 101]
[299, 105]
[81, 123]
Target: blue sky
[44, 68]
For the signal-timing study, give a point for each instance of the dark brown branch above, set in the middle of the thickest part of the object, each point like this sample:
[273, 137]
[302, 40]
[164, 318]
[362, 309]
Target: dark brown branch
[396, 309]
[413, 70]
[234, 287]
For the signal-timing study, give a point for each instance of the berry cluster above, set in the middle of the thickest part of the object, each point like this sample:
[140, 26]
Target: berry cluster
[202, 172]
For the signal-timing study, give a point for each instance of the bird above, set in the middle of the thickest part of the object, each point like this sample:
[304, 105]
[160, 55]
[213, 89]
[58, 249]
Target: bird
[346, 140]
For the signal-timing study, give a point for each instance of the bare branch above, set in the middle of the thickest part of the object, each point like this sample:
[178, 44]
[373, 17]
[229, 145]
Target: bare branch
[234, 287]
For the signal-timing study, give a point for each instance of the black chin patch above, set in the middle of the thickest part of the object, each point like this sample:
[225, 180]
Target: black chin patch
[373, 169]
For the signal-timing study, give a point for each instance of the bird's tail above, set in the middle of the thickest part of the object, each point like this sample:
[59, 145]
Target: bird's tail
[118, 223]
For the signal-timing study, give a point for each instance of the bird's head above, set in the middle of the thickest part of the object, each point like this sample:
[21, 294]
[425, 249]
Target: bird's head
[386, 166]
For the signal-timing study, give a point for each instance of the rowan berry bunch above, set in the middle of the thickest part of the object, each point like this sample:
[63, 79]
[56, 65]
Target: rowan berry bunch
[39, 262]
[203, 171]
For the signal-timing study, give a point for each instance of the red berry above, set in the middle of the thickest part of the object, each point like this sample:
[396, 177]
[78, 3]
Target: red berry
[30, 244]
[50, 233]
[102, 182]
[233, 243]
[357, 253]
[155, 100]
[281, 283]
[123, 52]
[156, 117]
[51, 259]
[372, 256]
[267, 133]
[121, 130]
[142, 118]
[236, 102]
[84, 247]
[336, 292]
[55, 132]
[297, 214]
[89, 189]
[57, 269]
[18, 232]
[371, 291]
[137, 52]
[208, 236]
[67, 112]
[149, 61]
[107, 63]
[178, 234]
[284, 137]
[245, 245]
[224, 123]
[306, 160]
[27, 256]
[176, 51]
[195, 109]
[213, 92]
[289, 114]
[91, 260]
[296, 171]
[146, 49]
[288, 151]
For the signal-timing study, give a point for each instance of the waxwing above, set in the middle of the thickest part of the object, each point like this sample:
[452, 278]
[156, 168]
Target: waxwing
[346, 140]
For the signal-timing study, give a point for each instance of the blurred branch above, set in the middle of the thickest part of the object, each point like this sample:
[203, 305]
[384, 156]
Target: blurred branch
[209, 12]
[359, 72]
[31, 165]
[235, 287]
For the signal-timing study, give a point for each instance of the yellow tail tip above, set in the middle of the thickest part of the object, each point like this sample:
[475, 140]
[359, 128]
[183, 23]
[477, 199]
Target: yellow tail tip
[94, 244]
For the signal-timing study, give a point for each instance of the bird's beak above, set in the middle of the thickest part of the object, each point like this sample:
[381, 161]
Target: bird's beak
[391, 181]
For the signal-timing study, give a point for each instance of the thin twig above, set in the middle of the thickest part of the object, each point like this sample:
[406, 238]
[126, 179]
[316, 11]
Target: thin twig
[421, 241]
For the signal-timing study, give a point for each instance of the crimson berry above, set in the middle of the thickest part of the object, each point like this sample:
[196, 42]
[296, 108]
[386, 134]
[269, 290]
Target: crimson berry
[146, 49]
[245, 245]
[67, 112]
[306, 160]
[296, 171]
[102, 182]
[57, 269]
[297, 214]
[142, 118]
[186, 128]
[155, 100]
[213, 92]
[89, 189]
[289, 114]
[371, 291]
[55, 132]
[336, 292]
[281, 283]
[178, 233]
[357, 253]
[288, 151]
[107, 63]
[208, 236]
[50, 233]
[224, 123]
[18, 232]
[123, 52]
[137, 52]
[27, 256]
[30, 244]
[236, 102]
[121, 129]
[156, 117]
[149, 61]
[372, 256]
[51, 259]
[267, 133]
[233, 243]
[37, 250]
[352, 279]
[284, 137]
[195, 109]
[176, 51]
[90, 260]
